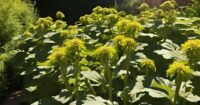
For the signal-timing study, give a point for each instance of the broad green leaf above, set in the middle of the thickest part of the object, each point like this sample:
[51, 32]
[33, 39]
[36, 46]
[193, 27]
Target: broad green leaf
[171, 51]
[35, 103]
[122, 58]
[94, 76]
[96, 100]
[137, 92]
[31, 88]
[155, 93]
[190, 97]
[151, 35]
[48, 41]
[63, 97]
[50, 34]
[1, 66]
[30, 56]
[164, 84]
[140, 46]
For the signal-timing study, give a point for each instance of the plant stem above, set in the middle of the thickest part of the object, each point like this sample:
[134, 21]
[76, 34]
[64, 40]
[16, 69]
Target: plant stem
[62, 71]
[76, 86]
[116, 5]
[147, 72]
[178, 86]
[91, 89]
[126, 78]
[77, 74]
[109, 77]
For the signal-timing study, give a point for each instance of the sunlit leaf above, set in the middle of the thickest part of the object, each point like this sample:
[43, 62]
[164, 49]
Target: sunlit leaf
[94, 76]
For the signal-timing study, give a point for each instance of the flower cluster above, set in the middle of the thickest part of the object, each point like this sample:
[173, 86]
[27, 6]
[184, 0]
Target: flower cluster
[75, 46]
[144, 7]
[60, 15]
[112, 17]
[159, 13]
[128, 27]
[87, 19]
[148, 64]
[58, 56]
[43, 23]
[168, 5]
[126, 43]
[180, 68]
[70, 32]
[192, 48]
[104, 53]
[104, 11]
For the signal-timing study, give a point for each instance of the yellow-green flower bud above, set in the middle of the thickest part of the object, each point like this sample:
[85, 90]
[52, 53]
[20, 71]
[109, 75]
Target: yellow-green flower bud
[27, 33]
[58, 56]
[133, 28]
[104, 53]
[60, 24]
[118, 39]
[75, 46]
[86, 19]
[168, 5]
[181, 69]
[60, 15]
[130, 28]
[192, 49]
[144, 7]
[159, 13]
[129, 44]
[112, 17]
[148, 65]
[121, 25]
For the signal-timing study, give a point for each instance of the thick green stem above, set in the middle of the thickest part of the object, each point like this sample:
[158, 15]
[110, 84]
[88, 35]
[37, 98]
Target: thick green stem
[126, 78]
[147, 72]
[91, 89]
[178, 86]
[116, 5]
[77, 75]
[63, 75]
[77, 85]
[109, 77]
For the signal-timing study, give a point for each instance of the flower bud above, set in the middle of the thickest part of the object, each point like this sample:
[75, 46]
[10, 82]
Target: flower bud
[180, 68]
[60, 15]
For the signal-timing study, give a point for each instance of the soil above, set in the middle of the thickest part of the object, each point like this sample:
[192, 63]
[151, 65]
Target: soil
[14, 98]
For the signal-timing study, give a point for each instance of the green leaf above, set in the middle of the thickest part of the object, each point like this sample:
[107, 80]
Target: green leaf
[155, 93]
[171, 51]
[96, 100]
[1, 66]
[190, 97]
[31, 88]
[165, 85]
[50, 34]
[35, 103]
[140, 46]
[63, 97]
[94, 76]
[137, 92]
[122, 58]
[151, 35]
[48, 41]
[30, 56]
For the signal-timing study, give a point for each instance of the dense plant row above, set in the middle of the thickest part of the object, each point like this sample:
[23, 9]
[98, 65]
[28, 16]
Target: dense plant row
[13, 21]
[109, 57]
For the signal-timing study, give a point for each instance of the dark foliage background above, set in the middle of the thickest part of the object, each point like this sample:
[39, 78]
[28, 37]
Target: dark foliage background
[73, 9]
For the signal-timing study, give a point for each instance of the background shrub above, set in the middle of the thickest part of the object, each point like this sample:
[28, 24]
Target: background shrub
[193, 9]
[13, 20]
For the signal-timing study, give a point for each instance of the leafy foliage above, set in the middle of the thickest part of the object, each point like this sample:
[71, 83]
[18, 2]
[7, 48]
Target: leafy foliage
[14, 20]
[131, 54]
